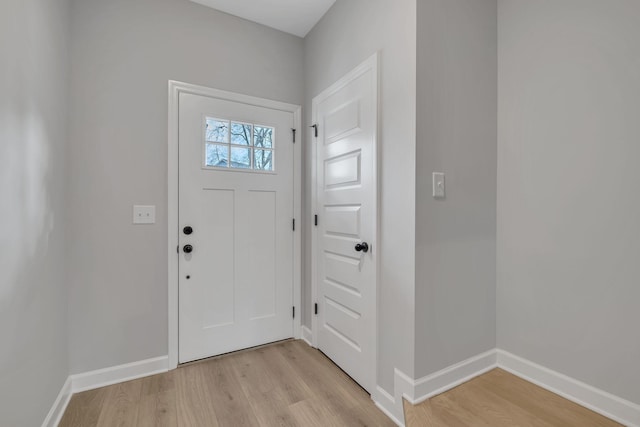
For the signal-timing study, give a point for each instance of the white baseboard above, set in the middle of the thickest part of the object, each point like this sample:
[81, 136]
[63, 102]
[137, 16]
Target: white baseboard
[452, 376]
[417, 391]
[607, 404]
[307, 335]
[59, 406]
[118, 374]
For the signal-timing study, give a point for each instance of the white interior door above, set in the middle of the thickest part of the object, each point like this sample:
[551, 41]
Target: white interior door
[346, 116]
[236, 207]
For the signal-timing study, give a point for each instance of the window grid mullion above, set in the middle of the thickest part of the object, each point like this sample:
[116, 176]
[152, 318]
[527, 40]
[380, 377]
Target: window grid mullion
[252, 142]
[252, 148]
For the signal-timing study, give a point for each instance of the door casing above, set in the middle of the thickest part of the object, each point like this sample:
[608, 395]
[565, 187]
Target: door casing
[175, 89]
[371, 64]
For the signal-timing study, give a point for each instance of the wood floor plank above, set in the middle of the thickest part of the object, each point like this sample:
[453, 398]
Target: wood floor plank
[193, 405]
[230, 403]
[489, 408]
[293, 391]
[121, 404]
[263, 389]
[158, 402]
[329, 382]
[447, 413]
[364, 416]
[328, 398]
[340, 400]
[84, 409]
[320, 408]
[418, 415]
[546, 405]
[313, 413]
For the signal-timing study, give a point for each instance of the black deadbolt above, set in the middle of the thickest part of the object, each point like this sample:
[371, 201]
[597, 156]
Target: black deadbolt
[187, 230]
[187, 249]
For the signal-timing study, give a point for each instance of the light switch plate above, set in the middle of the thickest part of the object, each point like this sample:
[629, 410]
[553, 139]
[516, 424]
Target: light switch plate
[144, 214]
[438, 185]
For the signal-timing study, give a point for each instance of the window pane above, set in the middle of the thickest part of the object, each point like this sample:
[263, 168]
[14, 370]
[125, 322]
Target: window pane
[240, 158]
[263, 136]
[217, 155]
[240, 134]
[217, 131]
[263, 160]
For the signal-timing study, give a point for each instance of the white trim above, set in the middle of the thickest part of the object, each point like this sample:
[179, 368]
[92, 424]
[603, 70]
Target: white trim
[370, 64]
[387, 404]
[118, 374]
[313, 148]
[173, 222]
[602, 402]
[297, 213]
[453, 376]
[417, 391]
[175, 89]
[307, 335]
[59, 406]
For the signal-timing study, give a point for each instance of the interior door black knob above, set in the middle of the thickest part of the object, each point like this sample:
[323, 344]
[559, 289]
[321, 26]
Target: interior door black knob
[187, 249]
[187, 230]
[362, 247]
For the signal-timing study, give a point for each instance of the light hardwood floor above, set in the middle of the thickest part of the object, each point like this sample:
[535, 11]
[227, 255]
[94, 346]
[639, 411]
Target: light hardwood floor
[291, 384]
[284, 384]
[498, 399]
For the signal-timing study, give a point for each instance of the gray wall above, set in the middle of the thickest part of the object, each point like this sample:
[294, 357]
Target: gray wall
[349, 33]
[33, 145]
[457, 133]
[568, 177]
[123, 54]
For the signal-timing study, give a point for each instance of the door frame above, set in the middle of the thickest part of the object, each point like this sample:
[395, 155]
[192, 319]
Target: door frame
[175, 89]
[370, 64]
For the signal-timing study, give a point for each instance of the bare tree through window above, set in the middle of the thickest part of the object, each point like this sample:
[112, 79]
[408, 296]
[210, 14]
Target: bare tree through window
[263, 137]
[239, 145]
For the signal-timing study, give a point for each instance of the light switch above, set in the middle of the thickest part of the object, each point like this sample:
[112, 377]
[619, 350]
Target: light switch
[438, 185]
[144, 214]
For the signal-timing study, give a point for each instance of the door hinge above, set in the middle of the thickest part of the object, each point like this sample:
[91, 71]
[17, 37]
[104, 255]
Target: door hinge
[294, 224]
[315, 220]
[315, 308]
[315, 128]
[294, 135]
[294, 312]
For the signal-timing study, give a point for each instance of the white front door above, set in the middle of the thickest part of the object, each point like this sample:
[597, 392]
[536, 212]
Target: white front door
[346, 116]
[236, 209]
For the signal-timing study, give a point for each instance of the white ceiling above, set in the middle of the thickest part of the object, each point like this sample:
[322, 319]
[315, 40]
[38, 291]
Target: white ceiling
[291, 16]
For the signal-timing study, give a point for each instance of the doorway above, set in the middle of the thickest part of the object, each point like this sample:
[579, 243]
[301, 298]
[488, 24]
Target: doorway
[234, 197]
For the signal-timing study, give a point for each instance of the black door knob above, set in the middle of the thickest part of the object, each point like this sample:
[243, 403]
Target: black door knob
[187, 230]
[362, 247]
[187, 249]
